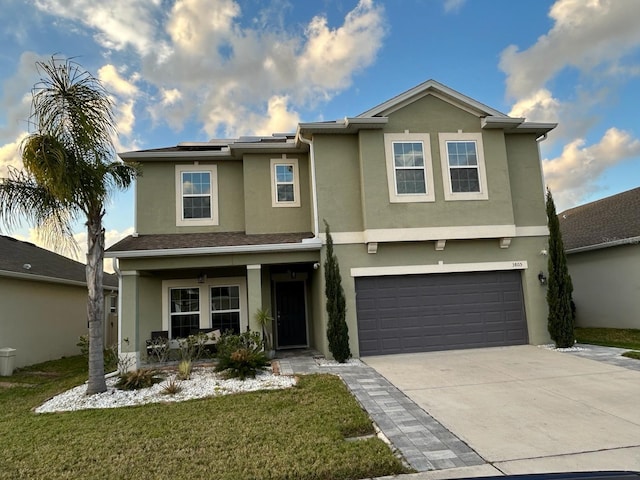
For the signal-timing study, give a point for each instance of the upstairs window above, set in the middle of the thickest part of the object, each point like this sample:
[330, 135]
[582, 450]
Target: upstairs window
[409, 168]
[463, 167]
[196, 195]
[285, 182]
[408, 159]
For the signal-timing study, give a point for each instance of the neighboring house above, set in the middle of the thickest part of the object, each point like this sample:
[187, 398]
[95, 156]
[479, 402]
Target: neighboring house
[43, 303]
[436, 207]
[602, 242]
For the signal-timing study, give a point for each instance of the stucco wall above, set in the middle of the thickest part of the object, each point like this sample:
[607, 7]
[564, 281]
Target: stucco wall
[470, 251]
[260, 215]
[41, 320]
[606, 286]
[156, 198]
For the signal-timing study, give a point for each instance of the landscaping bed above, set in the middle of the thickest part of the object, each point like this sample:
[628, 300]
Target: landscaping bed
[298, 432]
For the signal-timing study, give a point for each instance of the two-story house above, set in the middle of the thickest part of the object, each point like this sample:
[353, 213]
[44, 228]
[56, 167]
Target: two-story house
[436, 208]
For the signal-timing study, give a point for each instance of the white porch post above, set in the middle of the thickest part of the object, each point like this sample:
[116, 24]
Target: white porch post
[254, 294]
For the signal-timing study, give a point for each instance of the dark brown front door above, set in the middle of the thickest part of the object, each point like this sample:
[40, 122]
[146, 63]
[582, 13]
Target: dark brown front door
[291, 320]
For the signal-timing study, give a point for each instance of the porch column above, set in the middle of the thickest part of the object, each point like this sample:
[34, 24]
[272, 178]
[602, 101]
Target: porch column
[254, 294]
[128, 331]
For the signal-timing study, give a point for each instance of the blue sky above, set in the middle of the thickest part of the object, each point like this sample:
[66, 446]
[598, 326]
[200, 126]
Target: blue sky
[191, 70]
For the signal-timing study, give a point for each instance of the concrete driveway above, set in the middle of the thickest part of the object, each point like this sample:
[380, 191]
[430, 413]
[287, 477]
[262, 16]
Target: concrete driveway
[525, 409]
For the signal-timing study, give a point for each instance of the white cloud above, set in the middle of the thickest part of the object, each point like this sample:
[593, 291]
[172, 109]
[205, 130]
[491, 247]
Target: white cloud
[279, 118]
[574, 174]
[10, 156]
[225, 74]
[538, 107]
[453, 5]
[117, 24]
[211, 61]
[594, 38]
[585, 35]
[115, 83]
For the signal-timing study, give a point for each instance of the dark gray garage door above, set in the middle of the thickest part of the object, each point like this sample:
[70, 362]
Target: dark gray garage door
[422, 313]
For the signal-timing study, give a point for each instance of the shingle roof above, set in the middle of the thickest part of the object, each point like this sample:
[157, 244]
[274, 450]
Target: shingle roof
[203, 240]
[27, 259]
[605, 222]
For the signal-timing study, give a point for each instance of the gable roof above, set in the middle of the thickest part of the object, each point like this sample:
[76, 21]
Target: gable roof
[491, 118]
[608, 222]
[24, 260]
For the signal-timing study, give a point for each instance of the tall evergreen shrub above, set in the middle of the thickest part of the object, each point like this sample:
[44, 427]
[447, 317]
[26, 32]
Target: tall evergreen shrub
[559, 286]
[337, 330]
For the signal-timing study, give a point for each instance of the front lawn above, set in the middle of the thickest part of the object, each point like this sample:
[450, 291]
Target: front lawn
[295, 433]
[609, 337]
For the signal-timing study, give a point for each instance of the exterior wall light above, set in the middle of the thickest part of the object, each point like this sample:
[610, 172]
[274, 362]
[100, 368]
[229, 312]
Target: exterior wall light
[542, 279]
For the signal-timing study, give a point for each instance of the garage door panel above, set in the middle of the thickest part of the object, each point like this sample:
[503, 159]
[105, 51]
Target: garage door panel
[416, 313]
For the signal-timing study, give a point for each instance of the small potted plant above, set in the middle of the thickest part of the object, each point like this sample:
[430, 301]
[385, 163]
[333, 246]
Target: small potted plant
[265, 320]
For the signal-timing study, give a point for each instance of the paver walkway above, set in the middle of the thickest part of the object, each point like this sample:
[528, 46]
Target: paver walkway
[421, 440]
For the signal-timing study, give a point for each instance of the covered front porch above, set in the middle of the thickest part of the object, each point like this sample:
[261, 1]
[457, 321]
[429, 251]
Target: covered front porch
[222, 293]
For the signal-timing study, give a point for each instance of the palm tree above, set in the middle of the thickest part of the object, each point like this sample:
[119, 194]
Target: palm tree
[70, 170]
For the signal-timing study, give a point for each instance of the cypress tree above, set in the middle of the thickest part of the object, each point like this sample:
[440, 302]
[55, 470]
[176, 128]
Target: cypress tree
[337, 330]
[560, 288]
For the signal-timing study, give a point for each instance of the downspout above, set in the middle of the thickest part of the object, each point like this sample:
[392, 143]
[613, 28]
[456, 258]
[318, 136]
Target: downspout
[116, 269]
[314, 190]
[540, 139]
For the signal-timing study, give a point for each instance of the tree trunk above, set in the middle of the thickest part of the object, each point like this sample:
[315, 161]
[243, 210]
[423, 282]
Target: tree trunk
[95, 305]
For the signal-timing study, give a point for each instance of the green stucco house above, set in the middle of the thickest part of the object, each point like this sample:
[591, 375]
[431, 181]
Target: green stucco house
[436, 207]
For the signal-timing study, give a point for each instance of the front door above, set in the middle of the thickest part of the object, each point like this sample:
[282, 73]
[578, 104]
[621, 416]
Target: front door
[291, 318]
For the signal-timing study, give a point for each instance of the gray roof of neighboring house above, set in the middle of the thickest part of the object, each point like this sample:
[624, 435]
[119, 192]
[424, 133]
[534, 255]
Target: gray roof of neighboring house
[180, 241]
[608, 222]
[24, 259]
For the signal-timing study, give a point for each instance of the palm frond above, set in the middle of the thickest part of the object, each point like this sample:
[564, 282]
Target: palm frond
[23, 200]
[74, 106]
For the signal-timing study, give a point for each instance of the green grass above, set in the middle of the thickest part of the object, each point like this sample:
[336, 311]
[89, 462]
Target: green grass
[609, 337]
[632, 354]
[285, 434]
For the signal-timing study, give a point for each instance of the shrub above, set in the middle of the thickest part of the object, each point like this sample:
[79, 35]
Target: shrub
[184, 370]
[158, 350]
[337, 329]
[172, 387]
[241, 356]
[137, 379]
[193, 347]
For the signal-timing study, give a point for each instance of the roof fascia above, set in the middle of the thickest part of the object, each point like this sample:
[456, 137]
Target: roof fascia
[310, 244]
[615, 243]
[348, 125]
[431, 87]
[175, 155]
[44, 278]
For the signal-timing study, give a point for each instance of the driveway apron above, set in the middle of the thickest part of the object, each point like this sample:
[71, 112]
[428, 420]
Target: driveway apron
[526, 409]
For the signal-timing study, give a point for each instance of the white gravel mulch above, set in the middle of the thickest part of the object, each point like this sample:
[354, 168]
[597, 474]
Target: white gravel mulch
[551, 346]
[204, 382]
[351, 362]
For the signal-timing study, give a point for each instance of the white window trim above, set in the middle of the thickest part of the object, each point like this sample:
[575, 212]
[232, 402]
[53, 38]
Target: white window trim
[205, 298]
[443, 138]
[195, 222]
[274, 185]
[394, 197]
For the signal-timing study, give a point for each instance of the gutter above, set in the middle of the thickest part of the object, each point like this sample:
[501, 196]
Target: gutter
[306, 245]
[314, 189]
[598, 246]
[44, 278]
